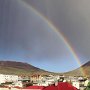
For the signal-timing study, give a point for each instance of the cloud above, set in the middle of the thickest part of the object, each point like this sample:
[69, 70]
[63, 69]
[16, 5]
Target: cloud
[26, 36]
[23, 30]
[72, 19]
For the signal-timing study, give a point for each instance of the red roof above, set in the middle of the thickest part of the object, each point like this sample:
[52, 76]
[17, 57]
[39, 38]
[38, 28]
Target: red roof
[65, 86]
[60, 86]
[52, 87]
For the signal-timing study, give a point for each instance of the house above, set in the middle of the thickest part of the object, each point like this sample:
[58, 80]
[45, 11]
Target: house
[86, 82]
[36, 78]
[8, 78]
[23, 78]
[65, 86]
[60, 86]
[76, 84]
[52, 87]
[18, 84]
[42, 84]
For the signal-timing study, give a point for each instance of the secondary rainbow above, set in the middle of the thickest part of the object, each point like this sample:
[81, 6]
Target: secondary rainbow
[57, 31]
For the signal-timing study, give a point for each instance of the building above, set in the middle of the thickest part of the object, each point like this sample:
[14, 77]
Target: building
[76, 84]
[86, 82]
[36, 78]
[65, 86]
[52, 87]
[8, 78]
[60, 86]
[18, 84]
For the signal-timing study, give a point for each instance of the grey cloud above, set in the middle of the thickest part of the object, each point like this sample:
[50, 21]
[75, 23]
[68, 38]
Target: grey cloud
[23, 30]
[72, 17]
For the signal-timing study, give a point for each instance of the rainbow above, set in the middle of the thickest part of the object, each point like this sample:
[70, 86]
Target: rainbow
[57, 31]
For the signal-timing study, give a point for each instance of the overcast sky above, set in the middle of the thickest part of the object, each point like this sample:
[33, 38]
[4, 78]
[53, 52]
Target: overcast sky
[26, 36]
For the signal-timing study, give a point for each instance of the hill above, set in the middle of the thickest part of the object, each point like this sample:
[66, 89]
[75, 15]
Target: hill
[78, 72]
[19, 68]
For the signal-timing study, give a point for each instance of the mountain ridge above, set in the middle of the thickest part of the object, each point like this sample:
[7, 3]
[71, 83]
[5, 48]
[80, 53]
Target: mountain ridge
[14, 67]
[22, 68]
[84, 70]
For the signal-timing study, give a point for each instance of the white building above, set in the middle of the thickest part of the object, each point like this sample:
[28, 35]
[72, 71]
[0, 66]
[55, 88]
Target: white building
[8, 78]
[42, 84]
[18, 84]
[76, 84]
[86, 82]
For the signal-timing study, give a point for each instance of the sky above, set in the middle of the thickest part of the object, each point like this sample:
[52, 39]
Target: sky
[27, 37]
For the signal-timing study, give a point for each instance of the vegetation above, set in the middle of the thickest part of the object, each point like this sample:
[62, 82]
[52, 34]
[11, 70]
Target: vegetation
[88, 86]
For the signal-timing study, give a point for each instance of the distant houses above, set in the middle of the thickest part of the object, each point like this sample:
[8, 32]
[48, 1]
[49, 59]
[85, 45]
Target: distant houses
[43, 82]
[8, 78]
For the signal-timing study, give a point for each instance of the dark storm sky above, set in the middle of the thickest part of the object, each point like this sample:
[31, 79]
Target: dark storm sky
[72, 17]
[25, 36]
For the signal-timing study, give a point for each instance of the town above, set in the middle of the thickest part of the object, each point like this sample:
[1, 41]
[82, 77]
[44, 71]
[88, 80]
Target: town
[43, 82]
